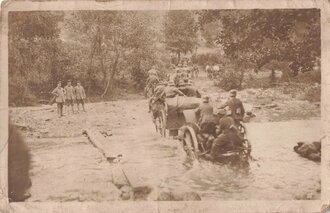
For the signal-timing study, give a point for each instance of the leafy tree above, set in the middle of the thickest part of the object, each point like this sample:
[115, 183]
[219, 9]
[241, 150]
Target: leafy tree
[180, 32]
[257, 37]
[33, 53]
[118, 43]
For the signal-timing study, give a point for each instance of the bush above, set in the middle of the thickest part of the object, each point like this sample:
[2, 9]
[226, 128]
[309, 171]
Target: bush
[229, 79]
[313, 94]
[209, 58]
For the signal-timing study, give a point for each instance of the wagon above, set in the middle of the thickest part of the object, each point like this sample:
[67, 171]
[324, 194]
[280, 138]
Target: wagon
[196, 149]
[169, 116]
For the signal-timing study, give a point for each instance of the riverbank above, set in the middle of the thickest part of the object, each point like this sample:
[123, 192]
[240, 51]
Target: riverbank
[79, 172]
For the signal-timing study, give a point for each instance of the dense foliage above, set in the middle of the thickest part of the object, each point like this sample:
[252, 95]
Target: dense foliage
[110, 50]
[102, 49]
[180, 32]
[257, 37]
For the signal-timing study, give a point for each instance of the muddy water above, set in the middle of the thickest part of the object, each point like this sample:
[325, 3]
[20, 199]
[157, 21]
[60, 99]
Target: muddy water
[276, 172]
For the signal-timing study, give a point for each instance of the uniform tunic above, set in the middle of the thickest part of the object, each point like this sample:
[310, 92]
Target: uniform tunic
[236, 107]
[205, 110]
[192, 91]
[80, 93]
[171, 92]
[69, 90]
[60, 94]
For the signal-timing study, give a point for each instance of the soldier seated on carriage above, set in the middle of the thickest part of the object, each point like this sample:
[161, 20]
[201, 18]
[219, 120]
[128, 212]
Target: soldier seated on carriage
[170, 91]
[190, 90]
[228, 137]
[235, 106]
[217, 137]
[206, 122]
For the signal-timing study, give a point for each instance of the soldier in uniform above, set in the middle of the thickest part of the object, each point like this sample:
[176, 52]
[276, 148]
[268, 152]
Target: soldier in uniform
[69, 91]
[159, 89]
[191, 91]
[177, 77]
[182, 86]
[59, 92]
[153, 71]
[206, 118]
[171, 91]
[228, 136]
[152, 81]
[235, 106]
[80, 96]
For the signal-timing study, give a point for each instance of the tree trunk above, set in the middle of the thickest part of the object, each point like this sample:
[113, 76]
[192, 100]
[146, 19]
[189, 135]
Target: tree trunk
[110, 79]
[90, 63]
[272, 78]
[114, 67]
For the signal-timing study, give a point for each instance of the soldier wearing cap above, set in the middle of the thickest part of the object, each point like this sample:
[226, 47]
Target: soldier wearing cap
[171, 91]
[228, 136]
[157, 93]
[235, 106]
[59, 93]
[206, 117]
[69, 91]
[182, 86]
[160, 88]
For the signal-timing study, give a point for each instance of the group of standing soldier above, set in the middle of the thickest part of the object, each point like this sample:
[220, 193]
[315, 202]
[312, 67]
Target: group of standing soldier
[68, 96]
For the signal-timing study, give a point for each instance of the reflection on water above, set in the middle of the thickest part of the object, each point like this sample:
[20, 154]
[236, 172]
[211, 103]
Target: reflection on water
[276, 173]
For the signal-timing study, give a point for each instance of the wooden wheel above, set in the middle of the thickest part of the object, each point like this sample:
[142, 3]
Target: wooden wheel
[189, 146]
[162, 123]
[247, 148]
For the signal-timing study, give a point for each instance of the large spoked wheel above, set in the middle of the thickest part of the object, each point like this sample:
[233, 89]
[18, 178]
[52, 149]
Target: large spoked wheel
[188, 145]
[242, 130]
[246, 152]
[162, 123]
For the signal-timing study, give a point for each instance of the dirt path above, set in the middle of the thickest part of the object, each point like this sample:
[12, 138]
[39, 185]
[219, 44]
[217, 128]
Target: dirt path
[60, 153]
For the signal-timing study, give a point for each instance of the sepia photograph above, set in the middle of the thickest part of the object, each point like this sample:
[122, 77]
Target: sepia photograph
[164, 105]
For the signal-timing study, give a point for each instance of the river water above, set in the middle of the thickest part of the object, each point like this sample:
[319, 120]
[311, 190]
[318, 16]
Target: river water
[276, 173]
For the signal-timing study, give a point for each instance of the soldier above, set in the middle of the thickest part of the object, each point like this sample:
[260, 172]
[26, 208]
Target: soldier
[191, 91]
[206, 118]
[69, 91]
[171, 91]
[152, 81]
[59, 93]
[182, 86]
[159, 89]
[80, 96]
[235, 106]
[228, 136]
[153, 71]
[177, 77]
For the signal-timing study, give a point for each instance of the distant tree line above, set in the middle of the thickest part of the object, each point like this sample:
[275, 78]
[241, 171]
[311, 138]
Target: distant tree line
[107, 49]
